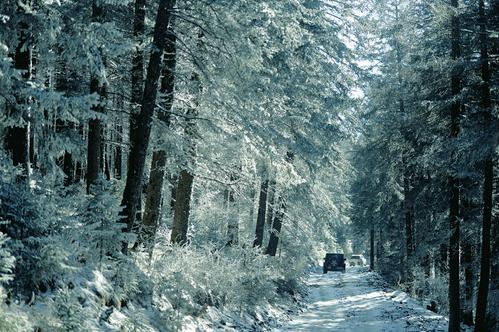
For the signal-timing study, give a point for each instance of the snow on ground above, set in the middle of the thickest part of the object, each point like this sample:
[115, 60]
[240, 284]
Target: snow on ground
[361, 301]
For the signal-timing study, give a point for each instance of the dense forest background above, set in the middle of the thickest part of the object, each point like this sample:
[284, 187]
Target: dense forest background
[168, 163]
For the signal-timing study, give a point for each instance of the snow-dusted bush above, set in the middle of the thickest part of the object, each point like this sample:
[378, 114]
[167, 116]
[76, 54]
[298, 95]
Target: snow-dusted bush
[12, 318]
[33, 224]
[188, 280]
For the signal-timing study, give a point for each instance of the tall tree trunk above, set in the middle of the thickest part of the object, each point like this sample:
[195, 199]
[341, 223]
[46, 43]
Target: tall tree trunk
[454, 293]
[409, 232]
[137, 80]
[467, 265]
[467, 253]
[64, 127]
[379, 247]
[276, 226]
[186, 178]
[158, 163]
[252, 197]
[407, 203]
[260, 220]
[371, 247]
[141, 135]
[137, 75]
[428, 258]
[270, 203]
[95, 129]
[275, 232]
[493, 303]
[118, 155]
[137, 62]
[493, 299]
[233, 222]
[16, 139]
[185, 182]
[182, 208]
[483, 288]
[173, 180]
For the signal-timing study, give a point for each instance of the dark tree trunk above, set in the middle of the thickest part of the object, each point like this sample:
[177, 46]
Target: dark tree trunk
[137, 78]
[428, 258]
[185, 182]
[371, 247]
[173, 192]
[137, 74]
[467, 257]
[183, 192]
[454, 293]
[493, 303]
[141, 135]
[260, 220]
[153, 197]
[407, 203]
[269, 219]
[137, 65]
[275, 231]
[468, 252]
[95, 129]
[137, 60]
[66, 161]
[158, 164]
[493, 298]
[118, 155]
[426, 265]
[409, 231]
[94, 151]
[16, 143]
[483, 288]
[182, 208]
[16, 139]
[233, 222]
[252, 197]
[379, 248]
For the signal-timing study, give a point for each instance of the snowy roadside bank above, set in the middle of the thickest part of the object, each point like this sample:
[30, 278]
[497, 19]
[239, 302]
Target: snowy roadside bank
[359, 300]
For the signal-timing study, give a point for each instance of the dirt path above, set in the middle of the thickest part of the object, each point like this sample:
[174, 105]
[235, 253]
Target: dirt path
[360, 301]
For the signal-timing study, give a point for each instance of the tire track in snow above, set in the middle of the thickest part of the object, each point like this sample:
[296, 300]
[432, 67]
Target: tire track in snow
[360, 301]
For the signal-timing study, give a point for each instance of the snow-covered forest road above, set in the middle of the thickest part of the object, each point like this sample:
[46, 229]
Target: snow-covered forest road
[359, 300]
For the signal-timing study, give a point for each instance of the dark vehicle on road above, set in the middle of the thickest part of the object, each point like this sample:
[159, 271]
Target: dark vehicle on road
[334, 262]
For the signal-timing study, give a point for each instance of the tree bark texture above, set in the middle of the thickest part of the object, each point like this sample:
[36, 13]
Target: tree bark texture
[186, 177]
[276, 227]
[454, 191]
[154, 195]
[95, 128]
[141, 136]
[137, 74]
[16, 139]
[469, 282]
[409, 230]
[483, 287]
[371, 246]
[182, 208]
[269, 218]
[233, 222]
[379, 248]
[493, 299]
[260, 220]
